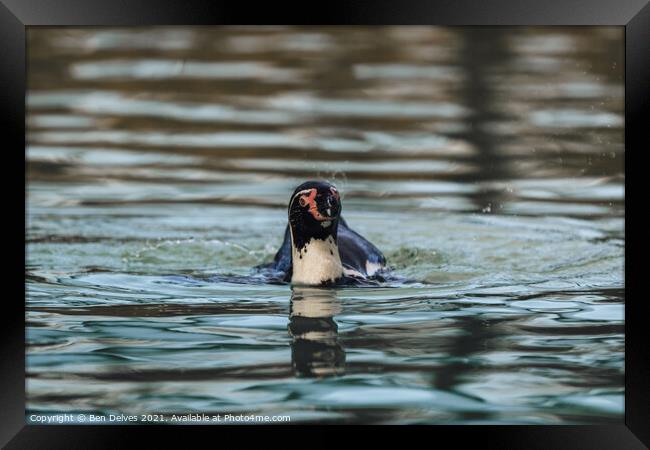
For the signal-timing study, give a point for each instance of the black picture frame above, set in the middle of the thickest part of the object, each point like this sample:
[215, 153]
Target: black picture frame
[16, 15]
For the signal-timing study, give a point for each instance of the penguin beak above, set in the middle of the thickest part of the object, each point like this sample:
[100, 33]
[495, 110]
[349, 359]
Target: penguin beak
[330, 205]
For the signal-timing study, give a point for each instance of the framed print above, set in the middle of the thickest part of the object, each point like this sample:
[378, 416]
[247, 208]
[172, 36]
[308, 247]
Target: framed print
[412, 216]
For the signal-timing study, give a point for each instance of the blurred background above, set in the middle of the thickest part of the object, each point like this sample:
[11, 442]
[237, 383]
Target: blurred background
[486, 163]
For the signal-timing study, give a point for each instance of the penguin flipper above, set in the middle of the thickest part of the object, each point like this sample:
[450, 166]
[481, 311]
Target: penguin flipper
[358, 253]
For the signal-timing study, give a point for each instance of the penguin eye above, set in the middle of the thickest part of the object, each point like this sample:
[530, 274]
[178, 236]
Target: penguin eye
[302, 201]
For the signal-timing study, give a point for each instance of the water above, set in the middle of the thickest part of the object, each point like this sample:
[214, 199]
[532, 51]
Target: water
[487, 164]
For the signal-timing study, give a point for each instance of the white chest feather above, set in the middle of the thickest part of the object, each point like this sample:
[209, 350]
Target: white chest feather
[318, 261]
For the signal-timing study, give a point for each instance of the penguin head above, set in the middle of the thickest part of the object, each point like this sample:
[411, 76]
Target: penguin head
[314, 210]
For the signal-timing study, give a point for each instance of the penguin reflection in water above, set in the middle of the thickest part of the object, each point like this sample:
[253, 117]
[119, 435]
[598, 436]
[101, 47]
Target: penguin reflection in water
[315, 350]
[319, 247]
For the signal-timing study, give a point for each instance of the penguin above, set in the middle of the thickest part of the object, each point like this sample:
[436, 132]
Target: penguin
[319, 248]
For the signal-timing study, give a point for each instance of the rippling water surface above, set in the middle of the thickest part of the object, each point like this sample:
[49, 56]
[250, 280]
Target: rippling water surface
[487, 164]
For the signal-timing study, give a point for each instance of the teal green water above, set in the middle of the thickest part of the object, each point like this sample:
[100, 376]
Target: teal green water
[486, 164]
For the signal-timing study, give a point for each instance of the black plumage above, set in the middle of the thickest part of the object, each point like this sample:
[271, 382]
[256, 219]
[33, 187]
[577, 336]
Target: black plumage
[355, 250]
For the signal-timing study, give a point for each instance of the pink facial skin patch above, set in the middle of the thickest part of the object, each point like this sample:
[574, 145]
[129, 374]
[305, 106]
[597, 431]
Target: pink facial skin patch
[311, 201]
